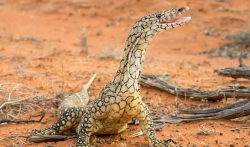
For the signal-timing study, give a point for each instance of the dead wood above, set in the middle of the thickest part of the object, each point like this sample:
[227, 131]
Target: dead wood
[46, 138]
[215, 110]
[232, 111]
[196, 94]
[235, 72]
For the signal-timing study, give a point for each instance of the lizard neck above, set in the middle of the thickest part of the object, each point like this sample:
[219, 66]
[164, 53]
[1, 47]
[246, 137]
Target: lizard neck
[128, 75]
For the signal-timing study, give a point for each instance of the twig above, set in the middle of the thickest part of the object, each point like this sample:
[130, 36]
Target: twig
[235, 72]
[22, 121]
[244, 127]
[196, 94]
[157, 127]
[19, 84]
[43, 138]
[18, 99]
[215, 110]
[11, 102]
[232, 111]
[241, 61]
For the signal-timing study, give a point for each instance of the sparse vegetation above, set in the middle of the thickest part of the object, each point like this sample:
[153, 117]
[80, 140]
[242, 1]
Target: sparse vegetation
[114, 53]
[239, 46]
[19, 102]
[84, 39]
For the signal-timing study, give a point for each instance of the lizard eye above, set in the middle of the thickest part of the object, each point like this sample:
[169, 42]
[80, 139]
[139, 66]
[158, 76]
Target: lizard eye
[158, 16]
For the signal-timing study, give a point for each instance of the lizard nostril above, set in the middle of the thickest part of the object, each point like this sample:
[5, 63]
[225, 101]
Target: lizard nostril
[181, 9]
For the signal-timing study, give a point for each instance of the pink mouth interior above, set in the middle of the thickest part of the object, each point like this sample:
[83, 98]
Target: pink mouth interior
[175, 20]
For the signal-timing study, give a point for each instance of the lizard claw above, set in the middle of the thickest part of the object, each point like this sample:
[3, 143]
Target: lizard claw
[170, 141]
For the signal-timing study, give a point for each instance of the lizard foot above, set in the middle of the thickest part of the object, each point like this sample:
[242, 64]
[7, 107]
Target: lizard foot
[164, 143]
[46, 131]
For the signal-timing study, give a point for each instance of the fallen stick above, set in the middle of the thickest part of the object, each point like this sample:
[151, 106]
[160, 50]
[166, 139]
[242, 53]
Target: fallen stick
[196, 94]
[235, 72]
[46, 138]
[214, 110]
[232, 111]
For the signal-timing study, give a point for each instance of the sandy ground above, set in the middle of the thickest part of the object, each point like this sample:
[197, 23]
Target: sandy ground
[40, 47]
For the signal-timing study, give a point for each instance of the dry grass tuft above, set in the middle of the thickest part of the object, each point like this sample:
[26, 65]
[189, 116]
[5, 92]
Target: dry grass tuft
[114, 53]
[239, 46]
[17, 99]
[203, 130]
[83, 39]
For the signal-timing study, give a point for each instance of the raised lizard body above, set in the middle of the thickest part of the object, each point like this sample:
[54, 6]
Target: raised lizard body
[120, 100]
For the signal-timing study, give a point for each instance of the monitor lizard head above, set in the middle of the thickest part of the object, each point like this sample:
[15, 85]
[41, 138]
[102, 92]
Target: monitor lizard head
[163, 20]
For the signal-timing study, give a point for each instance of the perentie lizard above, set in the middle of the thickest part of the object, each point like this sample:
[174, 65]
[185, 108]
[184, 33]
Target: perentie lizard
[120, 100]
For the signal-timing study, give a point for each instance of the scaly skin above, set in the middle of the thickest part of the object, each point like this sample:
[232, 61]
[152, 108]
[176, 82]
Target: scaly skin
[120, 100]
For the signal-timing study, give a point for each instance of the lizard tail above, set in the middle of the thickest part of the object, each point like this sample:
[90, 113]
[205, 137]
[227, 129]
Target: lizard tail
[86, 86]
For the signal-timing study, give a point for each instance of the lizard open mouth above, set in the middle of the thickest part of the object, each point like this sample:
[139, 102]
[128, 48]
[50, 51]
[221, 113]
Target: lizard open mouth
[176, 20]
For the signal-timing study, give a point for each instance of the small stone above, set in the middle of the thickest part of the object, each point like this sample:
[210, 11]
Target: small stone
[221, 134]
[208, 32]
[121, 138]
[220, 0]
[181, 138]
[246, 145]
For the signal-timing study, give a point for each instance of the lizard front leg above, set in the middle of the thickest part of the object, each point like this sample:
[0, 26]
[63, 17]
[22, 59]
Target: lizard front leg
[83, 136]
[88, 125]
[147, 127]
[67, 121]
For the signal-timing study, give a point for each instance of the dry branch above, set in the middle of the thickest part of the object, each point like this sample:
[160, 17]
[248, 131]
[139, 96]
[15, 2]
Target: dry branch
[235, 72]
[215, 110]
[232, 111]
[230, 92]
[46, 138]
